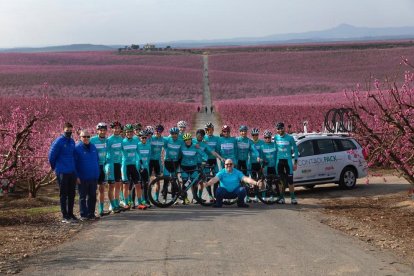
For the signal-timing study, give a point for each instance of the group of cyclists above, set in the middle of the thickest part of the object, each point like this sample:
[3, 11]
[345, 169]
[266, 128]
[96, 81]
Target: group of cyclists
[134, 154]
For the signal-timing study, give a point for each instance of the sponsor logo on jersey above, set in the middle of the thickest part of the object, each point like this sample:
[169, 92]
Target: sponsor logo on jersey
[227, 146]
[189, 152]
[127, 147]
[100, 146]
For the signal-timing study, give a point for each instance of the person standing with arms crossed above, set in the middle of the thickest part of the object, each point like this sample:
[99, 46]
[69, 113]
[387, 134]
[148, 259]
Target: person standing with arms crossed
[62, 161]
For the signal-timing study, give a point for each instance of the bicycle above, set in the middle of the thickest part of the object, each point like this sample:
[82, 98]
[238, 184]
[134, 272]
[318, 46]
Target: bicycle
[269, 191]
[171, 187]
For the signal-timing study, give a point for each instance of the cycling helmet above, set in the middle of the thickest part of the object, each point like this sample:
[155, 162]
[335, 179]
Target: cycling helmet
[254, 131]
[225, 128]
[201, 132]
[159, 128]
[149, 129]
[115, 124]
[138, 126]
[129, 127]
[267, 133]
[243, 128]
[142, 133]
[182, 124]
[280, 125]
[102, 125]
[209, 125]
[174, 130]
[187, 136]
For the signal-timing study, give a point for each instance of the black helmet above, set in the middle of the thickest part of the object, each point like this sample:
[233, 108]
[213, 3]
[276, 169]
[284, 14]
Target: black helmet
[209, 125]
[115, 124]
[159, 128]
[201, 132]
[280, 125]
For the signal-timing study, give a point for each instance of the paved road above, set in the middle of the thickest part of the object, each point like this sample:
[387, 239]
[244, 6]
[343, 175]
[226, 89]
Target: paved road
[202, 118]
[188, 240]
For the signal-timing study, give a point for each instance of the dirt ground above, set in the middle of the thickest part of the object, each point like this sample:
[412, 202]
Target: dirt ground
[380, 213]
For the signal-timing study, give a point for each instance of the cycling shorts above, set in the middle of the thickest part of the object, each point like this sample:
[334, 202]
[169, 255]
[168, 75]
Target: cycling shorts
[101, 179]
[154, 166]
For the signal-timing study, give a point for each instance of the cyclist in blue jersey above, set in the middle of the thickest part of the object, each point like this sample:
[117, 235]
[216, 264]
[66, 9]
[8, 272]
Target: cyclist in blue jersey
[230, 187]
[227, 145]
[172, 148]
[182, 126]
[285, 145]
[190, 156]
[157, 145]
[254, 162]
[268, 153]
[211, 154]
[100, 142]
[129, 164]
[213, 142]
[245, 150]
[113, 168]
[144, 151]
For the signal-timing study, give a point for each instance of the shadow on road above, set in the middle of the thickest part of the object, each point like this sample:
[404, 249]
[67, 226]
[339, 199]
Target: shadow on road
[361, 190]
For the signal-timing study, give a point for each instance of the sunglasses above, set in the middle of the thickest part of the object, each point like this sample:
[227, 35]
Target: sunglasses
[255, 134]
[143, 137]
[86, 137]
[268, 137]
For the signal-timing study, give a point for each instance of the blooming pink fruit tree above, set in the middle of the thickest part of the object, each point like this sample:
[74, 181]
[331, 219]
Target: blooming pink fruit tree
[384, 121]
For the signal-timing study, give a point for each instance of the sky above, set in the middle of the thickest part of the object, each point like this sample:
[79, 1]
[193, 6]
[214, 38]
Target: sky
[34, 23]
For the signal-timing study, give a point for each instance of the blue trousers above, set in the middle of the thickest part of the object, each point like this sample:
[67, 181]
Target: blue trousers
[239, 193]
[87, 197]
[67, 184]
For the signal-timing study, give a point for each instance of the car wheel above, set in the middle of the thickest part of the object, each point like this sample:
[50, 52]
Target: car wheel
[348, 178]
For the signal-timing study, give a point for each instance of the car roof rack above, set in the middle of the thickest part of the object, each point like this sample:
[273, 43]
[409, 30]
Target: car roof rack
[299, 136]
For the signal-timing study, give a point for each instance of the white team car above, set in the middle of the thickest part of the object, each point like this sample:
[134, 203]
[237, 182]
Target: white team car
[329, 158]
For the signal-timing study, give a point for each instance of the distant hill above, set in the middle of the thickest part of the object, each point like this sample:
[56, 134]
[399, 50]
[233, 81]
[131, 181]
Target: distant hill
[62, 48]
[343, 32]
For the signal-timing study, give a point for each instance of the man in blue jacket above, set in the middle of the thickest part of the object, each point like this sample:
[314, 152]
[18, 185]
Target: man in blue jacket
[61, 159]
[87, 169]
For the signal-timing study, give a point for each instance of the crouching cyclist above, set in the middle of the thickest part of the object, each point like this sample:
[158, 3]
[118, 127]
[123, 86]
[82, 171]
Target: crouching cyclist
[230, 185]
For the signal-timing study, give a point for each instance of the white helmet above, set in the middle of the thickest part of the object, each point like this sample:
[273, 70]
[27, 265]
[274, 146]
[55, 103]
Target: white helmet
[149, 129]
[102, 125]
[182, 124]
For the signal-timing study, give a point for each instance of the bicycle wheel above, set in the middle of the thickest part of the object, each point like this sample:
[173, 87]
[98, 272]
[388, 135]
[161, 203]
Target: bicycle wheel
[269, 192]
[165, 193]
[202, 195]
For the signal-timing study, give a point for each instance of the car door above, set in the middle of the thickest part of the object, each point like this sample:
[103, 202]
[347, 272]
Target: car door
[328, 159]
[307, 167]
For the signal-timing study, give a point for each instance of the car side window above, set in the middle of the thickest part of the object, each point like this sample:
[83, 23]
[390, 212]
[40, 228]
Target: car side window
[325, 146]
[348, 145]
[306, 149]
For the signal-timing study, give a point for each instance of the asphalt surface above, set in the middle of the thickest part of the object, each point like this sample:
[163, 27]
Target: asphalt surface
[188, 240]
